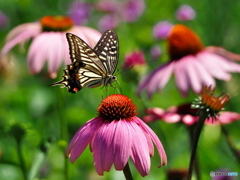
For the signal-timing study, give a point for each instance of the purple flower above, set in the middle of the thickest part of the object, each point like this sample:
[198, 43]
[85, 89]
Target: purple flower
[161, 30]
[156, 51]
[110, 6]
[134, 58]
[185, 13]
[109, 21]
[49, 41]
[3, 20]
[192, 64]
[116, 135]
[79, 12]
[132, 10]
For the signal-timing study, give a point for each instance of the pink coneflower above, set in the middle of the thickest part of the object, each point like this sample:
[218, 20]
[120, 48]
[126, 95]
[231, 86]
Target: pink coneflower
[187, 115]
[116, 135]
[185, 13]
[192, 64]
[48, 41]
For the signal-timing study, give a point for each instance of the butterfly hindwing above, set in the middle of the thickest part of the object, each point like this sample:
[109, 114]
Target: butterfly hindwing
[90, 67]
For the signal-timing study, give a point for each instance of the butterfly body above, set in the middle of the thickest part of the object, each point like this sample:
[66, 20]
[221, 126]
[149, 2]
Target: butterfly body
[90, 67]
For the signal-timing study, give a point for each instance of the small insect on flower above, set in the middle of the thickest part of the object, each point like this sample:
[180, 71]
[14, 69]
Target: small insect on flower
[91, 67]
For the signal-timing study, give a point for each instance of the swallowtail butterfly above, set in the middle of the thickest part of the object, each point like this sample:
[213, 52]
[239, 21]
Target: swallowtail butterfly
[90, 67]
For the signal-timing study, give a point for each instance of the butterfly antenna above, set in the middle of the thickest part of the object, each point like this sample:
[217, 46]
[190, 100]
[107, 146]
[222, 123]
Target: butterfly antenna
[119, 72]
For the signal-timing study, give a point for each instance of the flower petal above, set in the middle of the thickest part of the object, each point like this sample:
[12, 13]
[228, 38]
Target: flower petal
[156, 79]
[82, 138]
[156, 140]
[19, 35]
[122, 144]
[140, 150]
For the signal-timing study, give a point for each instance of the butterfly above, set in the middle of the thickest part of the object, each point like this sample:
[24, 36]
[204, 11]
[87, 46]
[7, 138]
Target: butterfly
[90, 67]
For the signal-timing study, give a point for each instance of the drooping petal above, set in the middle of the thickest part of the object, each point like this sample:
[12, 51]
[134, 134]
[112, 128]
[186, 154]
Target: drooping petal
[181, 76]
[19, 35]
[156, 79]
[100, 144]
[82, 138]
[197, 75]
[189, 120]
[122, 144]
[140, 150]
[213, 66]
[37, 54]
[55, 51]
[171, 117]
[156, 141]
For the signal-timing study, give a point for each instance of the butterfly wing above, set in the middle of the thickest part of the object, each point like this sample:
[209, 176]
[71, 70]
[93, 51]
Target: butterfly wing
[107, 50]
[90, 67]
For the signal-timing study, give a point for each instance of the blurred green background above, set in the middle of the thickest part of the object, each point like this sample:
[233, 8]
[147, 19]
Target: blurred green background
[38, 121]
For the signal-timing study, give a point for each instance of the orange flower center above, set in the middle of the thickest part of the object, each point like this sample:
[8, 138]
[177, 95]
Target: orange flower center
[117, 107]
[216, 103]
[183, 41]
[56, 23]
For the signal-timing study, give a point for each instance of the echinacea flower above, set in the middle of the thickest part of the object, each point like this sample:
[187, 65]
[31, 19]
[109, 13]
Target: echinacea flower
[49, 41]
[109, 21]
[116, 135]
[187, 115]
[185, 13]
[192, 64]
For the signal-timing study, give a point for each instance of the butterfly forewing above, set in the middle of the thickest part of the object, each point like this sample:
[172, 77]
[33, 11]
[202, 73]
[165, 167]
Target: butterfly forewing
[107, 50]
[90, 67]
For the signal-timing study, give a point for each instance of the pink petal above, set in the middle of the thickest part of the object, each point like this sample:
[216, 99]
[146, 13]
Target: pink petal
[213, 66]
[55, 50]
[19, 35]
[171, 117]
[122, 144]
[89, 35]
[37, 54]
[140, 152]
[189, 120]
[156, 79]
[227, 117]
[82, 138]
[181, 76]
[156, 140]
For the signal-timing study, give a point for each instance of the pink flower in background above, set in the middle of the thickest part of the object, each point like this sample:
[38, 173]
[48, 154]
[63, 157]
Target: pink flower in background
[4, 21]
[109, 21]
[109, 6]
[185, 13]
[49, 41]
[192, 64]
[79, 12]
[135, 58]
[131, 10]
[161, 30]
[156, 51]
[116, 135]
[187, 115]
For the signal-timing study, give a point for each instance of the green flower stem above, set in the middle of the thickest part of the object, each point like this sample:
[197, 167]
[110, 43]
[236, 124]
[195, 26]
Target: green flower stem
[230, 143]
[196, 163]
[196, 135]
[63, 128]
[127, 172]
[22, 162]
